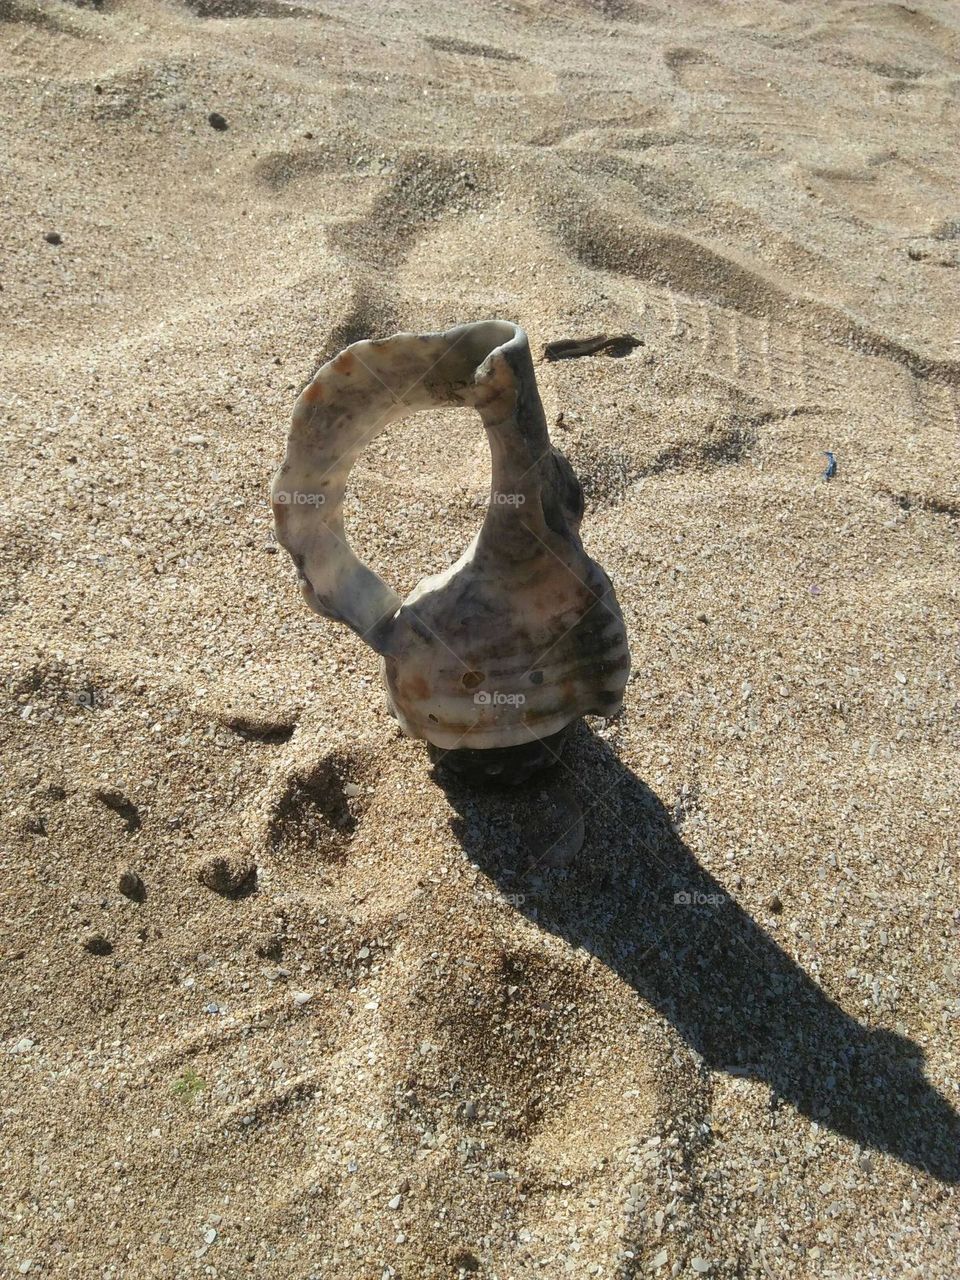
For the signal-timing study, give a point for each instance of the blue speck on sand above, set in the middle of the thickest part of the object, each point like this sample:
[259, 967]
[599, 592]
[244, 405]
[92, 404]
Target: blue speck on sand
[830, 470]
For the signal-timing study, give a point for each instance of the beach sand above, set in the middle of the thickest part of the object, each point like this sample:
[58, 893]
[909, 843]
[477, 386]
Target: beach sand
[276, 1000]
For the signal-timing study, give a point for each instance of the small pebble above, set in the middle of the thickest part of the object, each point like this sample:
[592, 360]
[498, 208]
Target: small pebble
[24, 1045]
[209, 1235]
[302, 997]
[700, 1265]
[97, 944]
[217, 121]
[131, 885]
[659, 1259]
[351, 790]
[394, 1202]
[53, 237]
[774, 904]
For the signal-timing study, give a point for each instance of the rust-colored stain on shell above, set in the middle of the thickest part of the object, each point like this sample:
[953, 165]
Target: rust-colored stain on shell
[416, 687]
[344, 362]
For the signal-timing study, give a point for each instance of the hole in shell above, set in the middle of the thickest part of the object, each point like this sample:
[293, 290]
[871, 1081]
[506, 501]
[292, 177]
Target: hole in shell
[472, 679]
[430, 473]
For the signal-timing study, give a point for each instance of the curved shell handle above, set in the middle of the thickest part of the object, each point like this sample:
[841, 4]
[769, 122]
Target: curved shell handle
[350, 401]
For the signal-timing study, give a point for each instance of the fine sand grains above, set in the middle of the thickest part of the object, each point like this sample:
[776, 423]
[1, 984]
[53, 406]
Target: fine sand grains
[275, 1002]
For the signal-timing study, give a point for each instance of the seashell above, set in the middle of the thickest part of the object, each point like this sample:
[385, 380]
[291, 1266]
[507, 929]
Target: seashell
[502, 652]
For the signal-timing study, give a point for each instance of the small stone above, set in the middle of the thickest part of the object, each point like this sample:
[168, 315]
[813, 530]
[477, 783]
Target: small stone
[470, 1110]
[23, 1045]
[212, 1007]
[97, 944]
[701, 1266]
[301, 998]
[774, 904]
[658, 1260]
[53, 237]
[25, 1266]
[209, 1235]
[351, 790]
[363, 953]
[131, 885]
[394, 1202]
[900, 677]
[217, 121]
[231, 877]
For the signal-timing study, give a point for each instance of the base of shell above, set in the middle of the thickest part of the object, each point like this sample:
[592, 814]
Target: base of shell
[503, 766]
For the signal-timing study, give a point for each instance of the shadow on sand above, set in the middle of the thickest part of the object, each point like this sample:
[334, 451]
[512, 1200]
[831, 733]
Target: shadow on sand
[732, 993]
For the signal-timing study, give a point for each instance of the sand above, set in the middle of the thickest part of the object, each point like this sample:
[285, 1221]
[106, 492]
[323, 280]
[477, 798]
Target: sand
[340, 1020]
